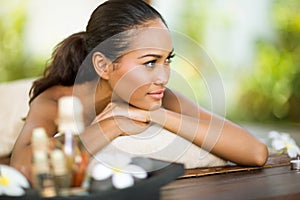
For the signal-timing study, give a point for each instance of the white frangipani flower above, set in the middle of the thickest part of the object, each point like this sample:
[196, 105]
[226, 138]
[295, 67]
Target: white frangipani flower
[119, 168]
[12, 182]
[283, 141]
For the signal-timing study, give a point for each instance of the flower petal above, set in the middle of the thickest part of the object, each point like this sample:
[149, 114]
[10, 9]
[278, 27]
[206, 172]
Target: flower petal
[122, 180]
[274, 135]
[292, 152]
[101, 172]
[136, 171]
[1, 190]
[14, 191]
[286, 137]
[14, 176]
[292, 142]
[278, 144]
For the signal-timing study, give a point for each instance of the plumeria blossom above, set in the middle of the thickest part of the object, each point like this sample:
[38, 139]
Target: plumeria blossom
[284, 142]
[12, 182]
[119, 167]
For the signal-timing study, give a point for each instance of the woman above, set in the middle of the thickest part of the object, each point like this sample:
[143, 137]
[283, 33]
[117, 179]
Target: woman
[124, 57]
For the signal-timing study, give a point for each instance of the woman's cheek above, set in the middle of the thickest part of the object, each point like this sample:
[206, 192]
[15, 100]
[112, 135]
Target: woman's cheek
[131, 84]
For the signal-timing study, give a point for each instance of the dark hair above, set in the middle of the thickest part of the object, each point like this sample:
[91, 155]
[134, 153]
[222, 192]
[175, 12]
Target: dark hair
[109, 19]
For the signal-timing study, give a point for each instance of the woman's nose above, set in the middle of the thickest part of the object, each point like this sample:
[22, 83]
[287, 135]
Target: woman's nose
[162, 74]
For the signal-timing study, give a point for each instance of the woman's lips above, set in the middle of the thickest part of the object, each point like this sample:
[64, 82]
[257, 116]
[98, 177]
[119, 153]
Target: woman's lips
[157, 94]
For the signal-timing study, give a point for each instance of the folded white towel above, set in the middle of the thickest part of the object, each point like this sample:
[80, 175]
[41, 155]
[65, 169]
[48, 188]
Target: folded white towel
[161, 144]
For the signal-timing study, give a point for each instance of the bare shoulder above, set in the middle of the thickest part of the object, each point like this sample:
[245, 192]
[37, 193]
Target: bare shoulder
[50, 97]
[43, 109]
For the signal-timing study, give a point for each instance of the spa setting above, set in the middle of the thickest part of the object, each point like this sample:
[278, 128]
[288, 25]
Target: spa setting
[149, 99]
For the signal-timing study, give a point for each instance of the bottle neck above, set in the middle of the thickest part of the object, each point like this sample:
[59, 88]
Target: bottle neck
[69, 143]
[69, 126]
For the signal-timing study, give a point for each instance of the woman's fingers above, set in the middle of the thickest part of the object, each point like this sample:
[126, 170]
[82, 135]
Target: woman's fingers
[131, 127]
[123, 110]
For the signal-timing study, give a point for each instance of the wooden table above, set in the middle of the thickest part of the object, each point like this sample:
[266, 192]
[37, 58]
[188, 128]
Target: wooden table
[277, 182]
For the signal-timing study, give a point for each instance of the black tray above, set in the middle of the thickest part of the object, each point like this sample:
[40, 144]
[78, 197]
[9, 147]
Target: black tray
[149, 188]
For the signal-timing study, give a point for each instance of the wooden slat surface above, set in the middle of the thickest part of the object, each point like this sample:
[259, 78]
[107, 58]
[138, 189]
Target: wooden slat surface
[274, 181]
[273, 161]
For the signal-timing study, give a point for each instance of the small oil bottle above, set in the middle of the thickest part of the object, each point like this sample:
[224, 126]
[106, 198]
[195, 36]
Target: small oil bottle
[43, 177]
[61, 176]
[70, 124]
[39, 140]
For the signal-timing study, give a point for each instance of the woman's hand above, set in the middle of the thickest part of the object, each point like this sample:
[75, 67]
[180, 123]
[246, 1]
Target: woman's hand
[129, 119]
[123, 110]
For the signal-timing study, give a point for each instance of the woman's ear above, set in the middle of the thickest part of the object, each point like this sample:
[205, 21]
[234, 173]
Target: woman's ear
[101, 65]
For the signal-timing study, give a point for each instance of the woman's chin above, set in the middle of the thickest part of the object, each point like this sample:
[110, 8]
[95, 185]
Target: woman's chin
[155, 106]
[148, 106]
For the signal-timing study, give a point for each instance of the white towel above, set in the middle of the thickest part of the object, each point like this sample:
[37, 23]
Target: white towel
[161, 144]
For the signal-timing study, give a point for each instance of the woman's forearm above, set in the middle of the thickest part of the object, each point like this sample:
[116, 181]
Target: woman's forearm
[98, 135]
[217, 135]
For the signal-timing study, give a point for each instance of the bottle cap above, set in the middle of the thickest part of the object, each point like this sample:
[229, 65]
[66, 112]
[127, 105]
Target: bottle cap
[70, 114]
[39, 133]
[39, 139]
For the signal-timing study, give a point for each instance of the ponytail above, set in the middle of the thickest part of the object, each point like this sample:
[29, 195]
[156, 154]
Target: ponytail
[63, 68]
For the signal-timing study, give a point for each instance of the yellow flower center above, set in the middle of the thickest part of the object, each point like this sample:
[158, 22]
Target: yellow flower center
[4, 181]
[116, 170]
[288, 146]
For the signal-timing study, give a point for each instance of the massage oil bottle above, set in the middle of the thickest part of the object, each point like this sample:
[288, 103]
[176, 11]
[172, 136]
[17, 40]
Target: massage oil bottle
[43, 179]
[60, 173]
[70, 125]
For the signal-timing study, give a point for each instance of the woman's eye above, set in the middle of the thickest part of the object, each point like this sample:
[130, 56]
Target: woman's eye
[169, 59]
[150, 64]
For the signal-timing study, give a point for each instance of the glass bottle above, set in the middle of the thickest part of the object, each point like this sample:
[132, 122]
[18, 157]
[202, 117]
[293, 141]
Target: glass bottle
[61, 176]
[42, 175]
[70, 125]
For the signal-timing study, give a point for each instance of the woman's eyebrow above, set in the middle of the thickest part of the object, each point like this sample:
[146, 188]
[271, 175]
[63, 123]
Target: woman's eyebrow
[155, 55]
[150, 55]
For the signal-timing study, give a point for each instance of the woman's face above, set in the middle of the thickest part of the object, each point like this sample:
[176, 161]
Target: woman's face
[140, 75]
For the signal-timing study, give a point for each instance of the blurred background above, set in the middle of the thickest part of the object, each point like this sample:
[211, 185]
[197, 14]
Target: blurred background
[253, 44]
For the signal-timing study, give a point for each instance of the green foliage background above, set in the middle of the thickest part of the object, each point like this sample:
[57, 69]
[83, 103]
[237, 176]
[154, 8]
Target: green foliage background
[15, 61]
[272, 91]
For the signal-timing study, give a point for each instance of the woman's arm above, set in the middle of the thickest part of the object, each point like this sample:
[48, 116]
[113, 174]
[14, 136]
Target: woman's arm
[210, 132]
[185, 118]
[213, 133]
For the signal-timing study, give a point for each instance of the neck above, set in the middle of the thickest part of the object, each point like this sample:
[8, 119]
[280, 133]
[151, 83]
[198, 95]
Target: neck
[95, 96]
[102, 96]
